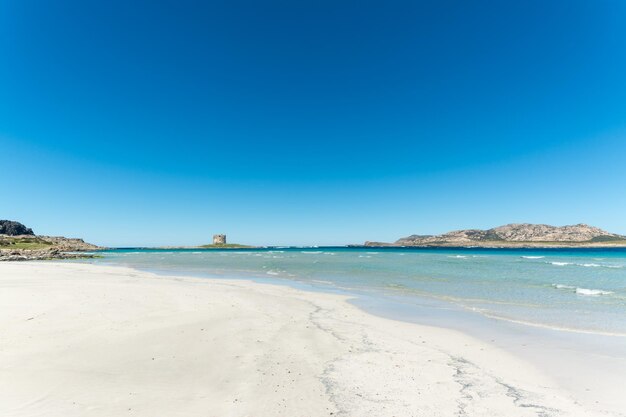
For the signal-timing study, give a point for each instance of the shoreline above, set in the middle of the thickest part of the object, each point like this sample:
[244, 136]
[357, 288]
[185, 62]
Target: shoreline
[563, 353]
[590, 366]
[334, 345]
[354, 294]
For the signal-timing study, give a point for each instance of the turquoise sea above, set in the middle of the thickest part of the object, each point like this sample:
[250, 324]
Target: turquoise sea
[574, 290]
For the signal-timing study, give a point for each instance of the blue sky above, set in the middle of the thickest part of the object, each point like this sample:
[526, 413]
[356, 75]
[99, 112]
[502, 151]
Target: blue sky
[310, 122]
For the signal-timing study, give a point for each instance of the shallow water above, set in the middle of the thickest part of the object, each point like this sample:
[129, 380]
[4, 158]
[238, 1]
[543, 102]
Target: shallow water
[576, 290]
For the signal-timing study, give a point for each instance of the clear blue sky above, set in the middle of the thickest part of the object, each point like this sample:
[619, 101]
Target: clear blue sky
[310, 122]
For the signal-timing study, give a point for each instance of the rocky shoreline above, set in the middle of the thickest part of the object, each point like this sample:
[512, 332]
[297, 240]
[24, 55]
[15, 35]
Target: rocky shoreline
[19, 243]
[41, 255]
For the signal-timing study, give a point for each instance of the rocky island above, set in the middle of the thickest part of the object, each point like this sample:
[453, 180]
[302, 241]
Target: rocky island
[517, 235]
[20, 243]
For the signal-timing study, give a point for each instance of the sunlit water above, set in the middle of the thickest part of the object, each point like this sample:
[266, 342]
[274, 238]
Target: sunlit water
[572, 290]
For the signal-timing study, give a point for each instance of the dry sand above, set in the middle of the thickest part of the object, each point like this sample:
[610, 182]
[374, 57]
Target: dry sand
[84, 340]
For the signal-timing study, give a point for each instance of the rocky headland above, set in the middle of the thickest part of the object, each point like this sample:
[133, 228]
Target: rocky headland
[19, 243]
[516, 235]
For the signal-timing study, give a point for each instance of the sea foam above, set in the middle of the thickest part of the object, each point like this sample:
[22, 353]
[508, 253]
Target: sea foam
[582, 291]
[563, 287]
[586, 291]
[587, 265]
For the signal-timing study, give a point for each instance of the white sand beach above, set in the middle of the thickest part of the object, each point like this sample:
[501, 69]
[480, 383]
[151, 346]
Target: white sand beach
[84, 340]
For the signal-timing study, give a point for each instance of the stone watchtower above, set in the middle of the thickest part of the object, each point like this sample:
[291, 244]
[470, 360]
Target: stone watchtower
[219, 239]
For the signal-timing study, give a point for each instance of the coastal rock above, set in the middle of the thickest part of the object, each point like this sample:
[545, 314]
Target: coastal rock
[12, 228]
[69, 244]
[25, 245]
[39, 255]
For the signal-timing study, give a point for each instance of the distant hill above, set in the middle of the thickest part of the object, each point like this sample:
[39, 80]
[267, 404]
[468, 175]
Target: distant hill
[517, 235]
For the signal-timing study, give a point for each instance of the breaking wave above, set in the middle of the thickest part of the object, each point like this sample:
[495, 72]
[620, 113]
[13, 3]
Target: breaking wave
[582, 291]
[586, 291]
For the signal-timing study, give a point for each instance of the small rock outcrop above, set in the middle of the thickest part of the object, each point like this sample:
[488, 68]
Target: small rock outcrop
[11, 228]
